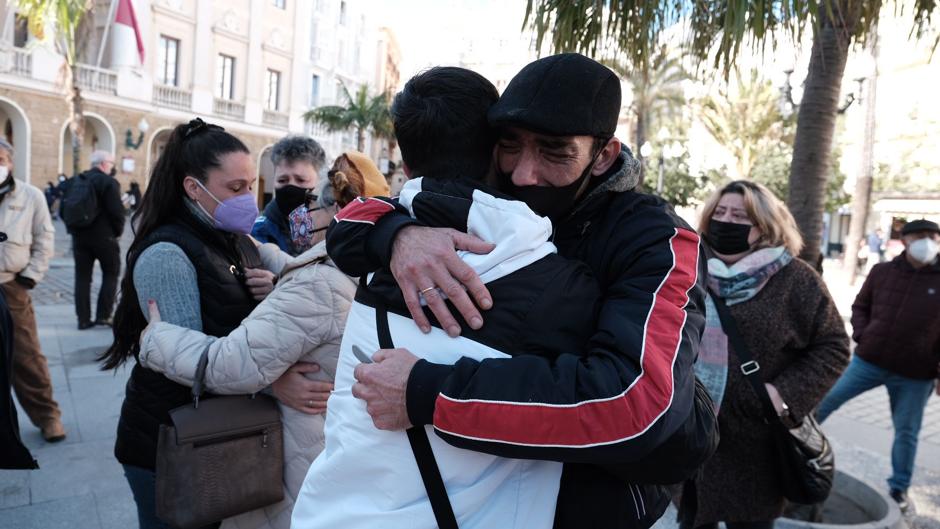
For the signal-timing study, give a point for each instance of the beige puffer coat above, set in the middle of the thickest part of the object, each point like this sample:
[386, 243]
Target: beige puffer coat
[301, 320]
[24, 217]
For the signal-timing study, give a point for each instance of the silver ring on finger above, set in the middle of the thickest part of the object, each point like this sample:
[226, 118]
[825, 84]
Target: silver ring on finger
[309, 403]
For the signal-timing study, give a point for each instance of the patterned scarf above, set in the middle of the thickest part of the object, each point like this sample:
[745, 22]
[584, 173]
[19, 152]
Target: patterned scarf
[735, 284]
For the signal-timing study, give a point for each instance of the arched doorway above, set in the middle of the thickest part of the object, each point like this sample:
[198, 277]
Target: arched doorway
[265, 183]
[98, 136]
[158, 141]
[14, 127]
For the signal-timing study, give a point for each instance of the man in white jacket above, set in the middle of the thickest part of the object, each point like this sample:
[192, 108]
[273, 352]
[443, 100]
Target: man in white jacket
[24, 260]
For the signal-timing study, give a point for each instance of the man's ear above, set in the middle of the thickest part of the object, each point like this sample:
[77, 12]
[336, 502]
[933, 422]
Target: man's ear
[608, 156]
[405, 169]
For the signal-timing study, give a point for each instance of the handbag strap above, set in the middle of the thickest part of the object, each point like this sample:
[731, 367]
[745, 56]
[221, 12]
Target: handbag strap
[420, 444]
[749, 367]
[199, 379]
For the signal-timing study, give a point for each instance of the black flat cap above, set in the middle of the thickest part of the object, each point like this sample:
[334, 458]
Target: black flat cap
[920, 225]
[562, 95]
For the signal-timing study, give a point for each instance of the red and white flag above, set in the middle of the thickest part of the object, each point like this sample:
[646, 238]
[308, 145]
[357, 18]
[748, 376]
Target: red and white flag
[125, 22]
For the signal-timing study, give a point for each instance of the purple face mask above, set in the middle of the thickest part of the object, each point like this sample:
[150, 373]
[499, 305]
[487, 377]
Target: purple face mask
[236, 214]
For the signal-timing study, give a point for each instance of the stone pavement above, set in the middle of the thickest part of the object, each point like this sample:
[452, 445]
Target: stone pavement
[80, 486]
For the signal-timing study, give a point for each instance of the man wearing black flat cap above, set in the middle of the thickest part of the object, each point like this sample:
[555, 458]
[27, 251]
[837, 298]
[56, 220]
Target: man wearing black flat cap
[623, 413]
[896, 324]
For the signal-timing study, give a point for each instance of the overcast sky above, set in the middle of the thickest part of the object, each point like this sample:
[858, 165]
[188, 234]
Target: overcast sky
[434, 32]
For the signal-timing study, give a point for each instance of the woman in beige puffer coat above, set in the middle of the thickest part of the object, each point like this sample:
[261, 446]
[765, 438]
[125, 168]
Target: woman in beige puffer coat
[301, 320]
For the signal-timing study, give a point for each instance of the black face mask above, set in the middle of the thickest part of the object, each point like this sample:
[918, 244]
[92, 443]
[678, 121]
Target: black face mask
[728, 238]
[548, 201]
[113, 171]
[290, 197]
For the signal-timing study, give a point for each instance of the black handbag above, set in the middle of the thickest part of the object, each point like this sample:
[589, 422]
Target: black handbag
[221, 457]
[805, 459]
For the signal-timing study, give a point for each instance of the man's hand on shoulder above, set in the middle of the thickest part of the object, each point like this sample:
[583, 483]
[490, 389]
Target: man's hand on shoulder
[425, 263]
[383, 386]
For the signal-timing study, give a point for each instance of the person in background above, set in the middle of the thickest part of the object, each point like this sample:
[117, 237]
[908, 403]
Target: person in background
[297, 161]
[96, 240]
[52, 194]
[191, 254]
[876, 250]
[24, 260]
[896, 324]
[291, 338]
[135, 193]
[794, 332]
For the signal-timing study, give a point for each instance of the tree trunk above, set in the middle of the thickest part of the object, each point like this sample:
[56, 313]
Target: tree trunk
[815, 126]
[641, 124]
[361, 139]
[77, 118]
[861, 200]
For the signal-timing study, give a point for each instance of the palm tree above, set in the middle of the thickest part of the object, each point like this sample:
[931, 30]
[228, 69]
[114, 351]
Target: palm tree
[717, 29]
[747, 122]
[362, 113]
[65, 24]
[657, 92]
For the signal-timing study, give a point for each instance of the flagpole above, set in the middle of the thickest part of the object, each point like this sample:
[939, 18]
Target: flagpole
[107, 30]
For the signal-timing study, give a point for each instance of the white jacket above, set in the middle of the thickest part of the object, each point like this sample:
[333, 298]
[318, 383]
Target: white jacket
[24, 217]
[301, 320]
[367, 478]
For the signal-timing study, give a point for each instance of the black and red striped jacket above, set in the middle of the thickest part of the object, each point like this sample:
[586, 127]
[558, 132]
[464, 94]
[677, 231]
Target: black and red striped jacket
[604, 410]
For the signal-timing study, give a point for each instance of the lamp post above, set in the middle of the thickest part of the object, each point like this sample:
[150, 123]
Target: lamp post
[129, 142]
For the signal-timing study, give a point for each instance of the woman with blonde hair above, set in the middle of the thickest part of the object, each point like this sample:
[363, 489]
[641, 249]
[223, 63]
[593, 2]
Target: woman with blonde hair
[296, 330]
[792, 330]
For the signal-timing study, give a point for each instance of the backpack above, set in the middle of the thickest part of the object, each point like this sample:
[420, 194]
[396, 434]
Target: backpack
[80, 203]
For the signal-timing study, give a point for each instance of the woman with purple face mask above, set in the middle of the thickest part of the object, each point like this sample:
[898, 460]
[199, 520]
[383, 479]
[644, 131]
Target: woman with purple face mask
[191, 253]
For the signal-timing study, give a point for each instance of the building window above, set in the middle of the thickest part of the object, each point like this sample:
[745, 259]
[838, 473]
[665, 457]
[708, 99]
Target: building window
[225, 74]
[314, 90]
[280, 4]
[314, 49]
[272, 90]
[342, 13]
[20, 31]
[168, 61]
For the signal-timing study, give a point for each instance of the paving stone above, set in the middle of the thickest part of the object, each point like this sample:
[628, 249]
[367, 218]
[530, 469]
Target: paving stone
[76, 469]
[76, 512]
[14, 488]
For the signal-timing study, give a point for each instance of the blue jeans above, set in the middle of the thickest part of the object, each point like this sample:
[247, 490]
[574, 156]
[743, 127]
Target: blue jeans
[908, 399]
[143, 485]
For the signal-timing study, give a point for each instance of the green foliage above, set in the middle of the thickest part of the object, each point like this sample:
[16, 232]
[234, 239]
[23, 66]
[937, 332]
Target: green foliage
[716, 29]
[66, 20]
[362, 112]
[747, 121]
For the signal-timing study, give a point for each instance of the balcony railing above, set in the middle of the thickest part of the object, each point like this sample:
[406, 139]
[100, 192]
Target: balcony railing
[172, 97]
[273, 118]
[17, 61]
[229, 109]
[96, 79]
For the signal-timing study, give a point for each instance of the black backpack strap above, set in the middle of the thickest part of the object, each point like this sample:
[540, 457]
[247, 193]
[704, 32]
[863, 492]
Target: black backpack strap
[418, 437]
[749, 367]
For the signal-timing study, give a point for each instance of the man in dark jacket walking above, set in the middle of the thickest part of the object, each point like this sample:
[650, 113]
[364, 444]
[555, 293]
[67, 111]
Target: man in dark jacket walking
[607, 410]
[98, 241]
[896, 323]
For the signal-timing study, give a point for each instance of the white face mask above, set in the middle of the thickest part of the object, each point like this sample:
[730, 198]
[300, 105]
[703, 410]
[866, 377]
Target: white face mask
[924, 250]
[4, 173]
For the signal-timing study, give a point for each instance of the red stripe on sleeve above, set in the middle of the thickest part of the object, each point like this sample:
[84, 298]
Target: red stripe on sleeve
[367, 210]
[601, 421]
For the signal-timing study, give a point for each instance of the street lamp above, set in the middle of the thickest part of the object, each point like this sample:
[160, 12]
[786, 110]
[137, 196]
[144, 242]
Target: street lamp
[129, 142]
[662, 136]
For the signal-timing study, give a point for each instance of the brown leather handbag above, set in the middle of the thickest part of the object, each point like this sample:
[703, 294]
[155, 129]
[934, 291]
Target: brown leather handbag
[221, 457]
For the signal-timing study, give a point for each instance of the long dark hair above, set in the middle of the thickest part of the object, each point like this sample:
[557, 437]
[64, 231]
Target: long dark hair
[192, 150]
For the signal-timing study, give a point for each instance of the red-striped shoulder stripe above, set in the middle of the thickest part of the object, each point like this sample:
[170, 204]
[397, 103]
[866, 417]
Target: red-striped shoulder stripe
[365, 210]
[601, 421]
